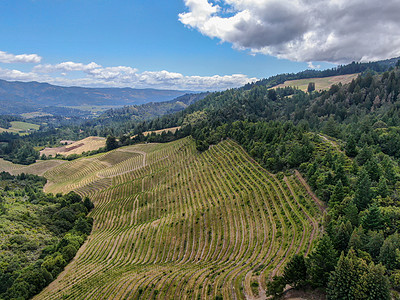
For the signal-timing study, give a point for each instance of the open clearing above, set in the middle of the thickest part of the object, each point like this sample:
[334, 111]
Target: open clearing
[22, 128]
[320, 83]
[172, 129]
[88, 144]
[166, 130]
[171, 223]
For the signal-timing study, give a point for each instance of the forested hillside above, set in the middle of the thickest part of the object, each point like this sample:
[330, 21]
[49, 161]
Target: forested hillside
[41, 233]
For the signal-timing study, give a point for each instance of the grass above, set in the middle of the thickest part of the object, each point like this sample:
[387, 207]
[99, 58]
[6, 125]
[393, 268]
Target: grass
[172, 130]
[94, 109]
[157, 132]
[88, 144]
[38, 168]
[35, 114]
[171, 223]
[320, 83]
[22, 128]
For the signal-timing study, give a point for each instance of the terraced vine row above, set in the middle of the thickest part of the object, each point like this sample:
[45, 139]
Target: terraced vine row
[171, 223]
[38, 168]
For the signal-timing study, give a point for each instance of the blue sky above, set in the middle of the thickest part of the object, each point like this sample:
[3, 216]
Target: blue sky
[162, 44]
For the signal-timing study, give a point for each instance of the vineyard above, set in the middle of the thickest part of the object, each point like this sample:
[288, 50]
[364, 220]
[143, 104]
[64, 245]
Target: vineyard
[173, 223]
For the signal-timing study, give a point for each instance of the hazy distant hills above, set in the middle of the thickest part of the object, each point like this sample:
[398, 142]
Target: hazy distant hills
[22, 97]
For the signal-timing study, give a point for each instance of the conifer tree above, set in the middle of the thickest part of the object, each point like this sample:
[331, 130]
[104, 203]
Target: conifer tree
[374, 284]
[321, 262]
[351, 149]
[382, 188]
[295, 272]
[363, 193]
[373, 220]
[338, 194]
[344, 281]
[342, 235]
[389, 254]
[351, 213]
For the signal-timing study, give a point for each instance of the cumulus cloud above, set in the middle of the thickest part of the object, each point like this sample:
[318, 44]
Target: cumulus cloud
[9, 58]
[65, 67]
[94, 75]
[337, 31]
[71, 73]
[312, 66]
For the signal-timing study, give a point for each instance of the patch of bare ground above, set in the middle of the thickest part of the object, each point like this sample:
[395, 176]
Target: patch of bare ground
[88, 144]
[293, 294]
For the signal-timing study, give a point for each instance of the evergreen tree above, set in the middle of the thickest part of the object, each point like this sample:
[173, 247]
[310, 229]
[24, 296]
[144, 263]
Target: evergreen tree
[351, 213]
[389, 254]
[373, 169]
[295, 272]
[354, 279]
[374, 284]
[111, 143]
[276, 286]
[311, 87]
[375, 242]
[363, 193]
[88, 204]
[364, 155]
[351, 149]
[342, 235]
[373, 219]
[382, 188]
[344, 281]
[358, 239]
[321, 262]
[337, 195]
[330, 128]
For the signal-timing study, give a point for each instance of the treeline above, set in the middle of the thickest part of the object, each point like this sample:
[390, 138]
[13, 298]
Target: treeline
[44, 232]
[17, 150]
[354, 67]
[5, 120]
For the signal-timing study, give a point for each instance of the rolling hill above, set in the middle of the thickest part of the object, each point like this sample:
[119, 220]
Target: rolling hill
[321, 83]
[173, 223]
[24, 97]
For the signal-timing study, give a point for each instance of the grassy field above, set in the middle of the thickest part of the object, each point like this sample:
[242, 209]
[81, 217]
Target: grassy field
[88, 144]
[35, 114]
[21, 128]
[171, 223]
[320, 83]
[172, 129]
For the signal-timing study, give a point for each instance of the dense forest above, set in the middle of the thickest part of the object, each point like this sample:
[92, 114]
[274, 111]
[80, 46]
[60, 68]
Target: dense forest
[43, 232]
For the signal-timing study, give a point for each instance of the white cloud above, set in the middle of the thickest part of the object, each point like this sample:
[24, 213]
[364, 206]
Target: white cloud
[65, 67]
[311, 65]
[94, 75]
[302, 30]
[9, 58]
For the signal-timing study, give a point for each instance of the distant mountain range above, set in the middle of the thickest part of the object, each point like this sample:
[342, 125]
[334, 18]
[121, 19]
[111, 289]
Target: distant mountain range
[23, 97]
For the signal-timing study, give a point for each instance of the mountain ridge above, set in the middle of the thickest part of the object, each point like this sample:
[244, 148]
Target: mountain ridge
[20, 97]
